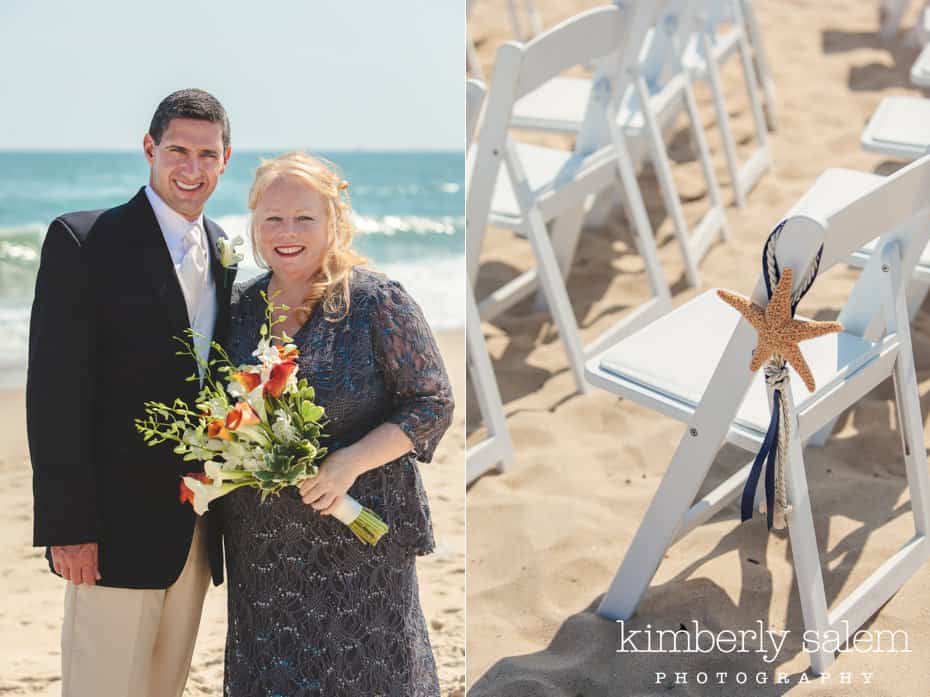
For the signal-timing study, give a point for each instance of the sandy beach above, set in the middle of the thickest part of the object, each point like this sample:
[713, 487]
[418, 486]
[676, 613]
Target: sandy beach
[30, 614]
[545, 538]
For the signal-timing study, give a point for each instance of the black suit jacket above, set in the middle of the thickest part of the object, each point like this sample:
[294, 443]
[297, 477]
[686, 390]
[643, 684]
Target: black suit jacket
[107, 305]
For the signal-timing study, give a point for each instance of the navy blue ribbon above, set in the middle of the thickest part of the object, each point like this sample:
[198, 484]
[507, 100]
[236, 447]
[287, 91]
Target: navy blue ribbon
[769, 451]
[766, 456]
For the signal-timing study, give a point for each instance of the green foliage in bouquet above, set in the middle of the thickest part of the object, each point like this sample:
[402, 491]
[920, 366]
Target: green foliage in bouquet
[257, 418]
[258, 427]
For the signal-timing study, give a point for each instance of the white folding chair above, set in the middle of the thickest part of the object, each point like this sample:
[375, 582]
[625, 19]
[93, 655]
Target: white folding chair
[558, 107]
[693, 365]
[897, 129]
[654, 78]
[542, 183]
[496, 451]
[722, 45]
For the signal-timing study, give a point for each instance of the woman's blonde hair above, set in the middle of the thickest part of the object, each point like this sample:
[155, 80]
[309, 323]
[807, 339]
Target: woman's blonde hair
[330, 285]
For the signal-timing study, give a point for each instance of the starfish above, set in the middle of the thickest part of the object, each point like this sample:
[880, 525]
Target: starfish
[779, 333]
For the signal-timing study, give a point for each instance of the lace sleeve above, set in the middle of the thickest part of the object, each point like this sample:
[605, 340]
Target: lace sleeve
[413, 369]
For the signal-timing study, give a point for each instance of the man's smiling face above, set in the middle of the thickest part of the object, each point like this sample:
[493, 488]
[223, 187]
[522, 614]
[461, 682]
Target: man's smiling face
[187, 163]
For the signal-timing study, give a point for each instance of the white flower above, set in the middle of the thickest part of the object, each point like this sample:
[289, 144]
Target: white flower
[256, 400]
[216, 472]
[228, 252]
[268, 355]
[283, 428]
[194, 438]
[204, 493]
[218, 408]
[236, 389]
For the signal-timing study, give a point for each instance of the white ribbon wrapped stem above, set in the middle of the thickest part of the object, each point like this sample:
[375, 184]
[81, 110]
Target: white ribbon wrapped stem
[347, 510]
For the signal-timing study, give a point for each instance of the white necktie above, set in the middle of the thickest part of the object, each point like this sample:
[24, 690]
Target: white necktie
[193, 270]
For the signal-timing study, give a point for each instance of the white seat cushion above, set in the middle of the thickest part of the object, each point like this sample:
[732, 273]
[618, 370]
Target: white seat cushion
[560, 103]
[676, 355]
[557, 104]
[900, 127]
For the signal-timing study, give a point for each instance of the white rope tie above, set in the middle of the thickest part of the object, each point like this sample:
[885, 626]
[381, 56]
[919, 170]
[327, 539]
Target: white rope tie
[777, 377]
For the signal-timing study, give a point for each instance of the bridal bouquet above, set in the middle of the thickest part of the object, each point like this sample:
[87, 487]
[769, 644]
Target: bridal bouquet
[259, 427]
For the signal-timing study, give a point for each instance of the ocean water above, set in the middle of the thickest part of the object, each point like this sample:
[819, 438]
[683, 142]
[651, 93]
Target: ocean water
[410, 214]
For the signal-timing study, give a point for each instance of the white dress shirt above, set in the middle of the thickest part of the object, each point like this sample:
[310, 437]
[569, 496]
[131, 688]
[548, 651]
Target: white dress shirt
[174, 226]
[175, 229]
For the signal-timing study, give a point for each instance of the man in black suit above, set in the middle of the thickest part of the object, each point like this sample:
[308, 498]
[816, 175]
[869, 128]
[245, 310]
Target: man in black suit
[113, 289]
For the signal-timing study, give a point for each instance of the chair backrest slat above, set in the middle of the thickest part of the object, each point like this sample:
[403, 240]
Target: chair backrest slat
[611, 79]
[575, 41]
[894, 204]
[898, 210]
[664, 42]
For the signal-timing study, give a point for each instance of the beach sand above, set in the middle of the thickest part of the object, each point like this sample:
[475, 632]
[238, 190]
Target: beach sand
[545, 538]
[31, 609]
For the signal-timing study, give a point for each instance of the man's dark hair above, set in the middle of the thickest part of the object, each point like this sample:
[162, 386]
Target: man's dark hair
[189, 104]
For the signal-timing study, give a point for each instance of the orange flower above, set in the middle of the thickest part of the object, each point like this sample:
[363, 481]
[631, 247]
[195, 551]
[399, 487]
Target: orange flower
[217, 429]
[277, 381]
[248, 380]
[241, 415]
[288, 353]
[187, 496]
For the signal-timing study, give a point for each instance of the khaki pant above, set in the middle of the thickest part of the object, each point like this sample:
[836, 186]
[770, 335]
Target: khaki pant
[125, 642]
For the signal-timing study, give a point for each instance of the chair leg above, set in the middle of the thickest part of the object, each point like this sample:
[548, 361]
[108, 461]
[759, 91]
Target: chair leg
[762, 63]
[707, 167]
[560, 307]
[723, 122]
[656, 532]
[907, 398]
[632, 201]
[752, 91]
[693, 458]
[566, 231]
[666, 183]
[497, 451]
[473, 242]
[917, 291]
[806, 555]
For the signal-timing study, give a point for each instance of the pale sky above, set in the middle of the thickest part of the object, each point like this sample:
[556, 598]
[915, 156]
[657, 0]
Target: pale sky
[321, 74]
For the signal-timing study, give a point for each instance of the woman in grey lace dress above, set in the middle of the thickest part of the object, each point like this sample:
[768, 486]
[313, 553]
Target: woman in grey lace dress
[312, 610]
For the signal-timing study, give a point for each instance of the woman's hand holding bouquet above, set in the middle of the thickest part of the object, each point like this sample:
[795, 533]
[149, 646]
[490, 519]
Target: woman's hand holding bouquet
[258, 427]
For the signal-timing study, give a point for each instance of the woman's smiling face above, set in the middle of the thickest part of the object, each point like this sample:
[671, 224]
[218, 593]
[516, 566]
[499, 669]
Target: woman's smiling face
[292, 223]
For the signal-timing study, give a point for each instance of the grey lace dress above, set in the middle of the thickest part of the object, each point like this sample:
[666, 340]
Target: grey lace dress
[313, 611]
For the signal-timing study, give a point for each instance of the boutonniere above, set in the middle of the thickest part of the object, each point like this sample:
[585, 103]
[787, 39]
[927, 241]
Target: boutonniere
[229, 255]
[228, 251]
